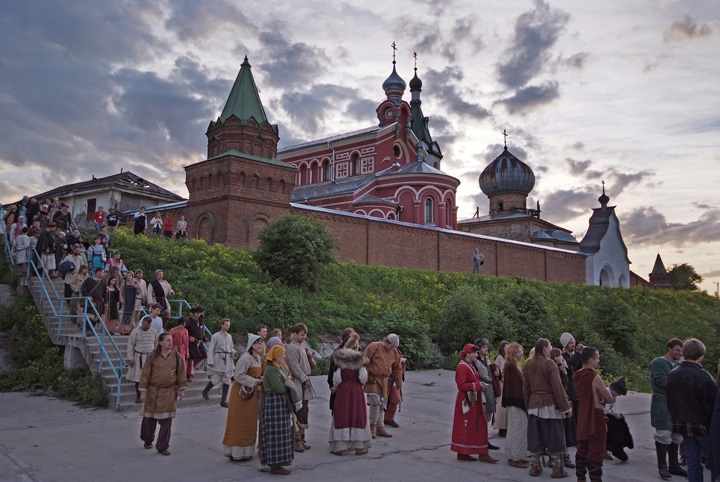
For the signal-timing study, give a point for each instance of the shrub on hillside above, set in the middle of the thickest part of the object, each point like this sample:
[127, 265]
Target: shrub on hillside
[471, 314]
[413, 333]
[293, 250]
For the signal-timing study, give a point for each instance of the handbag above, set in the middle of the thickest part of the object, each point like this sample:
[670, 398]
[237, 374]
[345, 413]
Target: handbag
[246, 393]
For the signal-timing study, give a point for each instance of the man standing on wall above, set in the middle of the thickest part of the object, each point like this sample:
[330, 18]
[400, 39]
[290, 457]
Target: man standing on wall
[591, 428]
[667, 443]
[478, 260]
[384, 361]
[220, 362]
[298, 361]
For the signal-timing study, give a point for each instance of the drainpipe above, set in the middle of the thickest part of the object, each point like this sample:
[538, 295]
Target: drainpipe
[332, 174]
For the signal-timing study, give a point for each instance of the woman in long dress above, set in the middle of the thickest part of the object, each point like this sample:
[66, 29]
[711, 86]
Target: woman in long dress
[500, 415]
[470, 430]
[129, 291]
[350, 429]
[112, 299]
[276, 425]
[181, 342]
[242, 418]
[514, 403]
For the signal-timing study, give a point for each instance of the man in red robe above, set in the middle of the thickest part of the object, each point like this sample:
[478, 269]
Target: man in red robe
[470, 431]
[591, 420]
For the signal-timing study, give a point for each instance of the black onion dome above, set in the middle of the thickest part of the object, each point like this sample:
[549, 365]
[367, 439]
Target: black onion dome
[415, 83]
[507, 174]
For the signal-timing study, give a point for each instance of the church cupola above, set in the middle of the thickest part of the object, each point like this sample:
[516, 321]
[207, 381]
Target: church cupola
[394, 86]
[507, 181]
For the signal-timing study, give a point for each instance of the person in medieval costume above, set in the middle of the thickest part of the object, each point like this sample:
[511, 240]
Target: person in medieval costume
[159, 291]
[220, 362]
[592, 425]
[141, 343]
[129, 291]
[46, 248]
[276, 424]
[350, 426]
[298, 361]
[196, 332]
[384, 361]
[242, 418]
[514, 402]
[162, 384]
[470, 429]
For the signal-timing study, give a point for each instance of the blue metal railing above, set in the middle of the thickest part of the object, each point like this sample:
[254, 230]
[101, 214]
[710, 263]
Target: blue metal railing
[57, 305]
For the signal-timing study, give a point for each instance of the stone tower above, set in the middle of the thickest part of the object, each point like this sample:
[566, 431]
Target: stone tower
[242, 184]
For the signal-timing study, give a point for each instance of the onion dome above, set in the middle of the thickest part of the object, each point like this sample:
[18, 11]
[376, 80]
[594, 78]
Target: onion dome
[507, 174]
[604, 199]
[394, 86]
[415, 83]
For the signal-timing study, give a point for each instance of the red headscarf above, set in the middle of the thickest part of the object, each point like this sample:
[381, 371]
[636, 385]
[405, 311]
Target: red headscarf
[468, 348]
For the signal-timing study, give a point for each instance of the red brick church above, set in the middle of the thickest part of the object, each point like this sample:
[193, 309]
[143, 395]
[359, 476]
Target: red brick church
[381, 190]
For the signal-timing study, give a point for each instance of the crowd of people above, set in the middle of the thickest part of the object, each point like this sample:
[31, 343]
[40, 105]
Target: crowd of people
[267, 389]
[558, 400]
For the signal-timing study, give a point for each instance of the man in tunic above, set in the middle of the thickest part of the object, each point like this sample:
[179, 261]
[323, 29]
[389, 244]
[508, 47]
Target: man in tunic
[158, 291]
[470, 430]
[591, 428]
[46, 248]
[94, 288]
[486, 375]
[141, 296]
[162, 384]
[384, 361]
[156, 323]
[297, 358]
[77, 259]
[691, 393]
[547, 405]
[141, 343]
[667, 443]
[220, 361]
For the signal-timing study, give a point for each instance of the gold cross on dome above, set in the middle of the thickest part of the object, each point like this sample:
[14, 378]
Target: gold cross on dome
[505, 135]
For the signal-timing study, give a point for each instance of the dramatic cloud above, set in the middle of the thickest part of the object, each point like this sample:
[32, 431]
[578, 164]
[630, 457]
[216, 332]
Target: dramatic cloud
[536, 32]
[578, 168]
[290, 64]
[446, 91]
[200, 20]
[565, 204]
[646, 226]
[362, 110]
[686, 29]
[310, 108]
[531, 97]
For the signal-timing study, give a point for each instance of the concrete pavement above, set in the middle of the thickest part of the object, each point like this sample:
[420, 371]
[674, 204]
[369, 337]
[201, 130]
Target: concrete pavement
[45, 439]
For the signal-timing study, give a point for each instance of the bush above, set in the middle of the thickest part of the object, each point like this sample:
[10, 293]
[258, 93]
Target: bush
[293, 250]
[471, 314]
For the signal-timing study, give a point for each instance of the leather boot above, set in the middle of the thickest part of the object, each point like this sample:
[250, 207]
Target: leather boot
[206, 391]
[373, 430]
[568, 462]
[594, 471]
[298, 444]
[557, 460]
[279, 470]
[674, 464]
[662, 450]
[381, 432]
[305, 445]
[535, 470]
[225, 390]
[580, 467]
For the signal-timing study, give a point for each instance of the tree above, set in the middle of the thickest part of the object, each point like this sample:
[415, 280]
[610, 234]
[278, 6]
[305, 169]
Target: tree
[683, 277]
[293, 250]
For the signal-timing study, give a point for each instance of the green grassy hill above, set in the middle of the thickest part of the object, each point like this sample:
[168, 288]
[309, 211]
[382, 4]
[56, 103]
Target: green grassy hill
[630, 327]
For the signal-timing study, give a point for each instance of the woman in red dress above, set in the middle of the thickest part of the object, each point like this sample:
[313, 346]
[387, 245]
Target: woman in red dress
[470, 432]
[181, 342]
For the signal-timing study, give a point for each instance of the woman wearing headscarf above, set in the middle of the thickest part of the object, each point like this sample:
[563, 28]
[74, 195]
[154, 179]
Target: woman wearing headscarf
[470, 431]
[350, 430]
[242, 419]
[276, 425]
[514, 403]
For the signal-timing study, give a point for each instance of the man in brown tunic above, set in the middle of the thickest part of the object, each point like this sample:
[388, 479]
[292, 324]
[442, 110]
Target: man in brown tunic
[591, 426]
[384, 361]
[162, 384]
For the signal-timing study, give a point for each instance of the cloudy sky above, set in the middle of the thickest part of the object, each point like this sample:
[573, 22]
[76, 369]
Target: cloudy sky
[625, 92]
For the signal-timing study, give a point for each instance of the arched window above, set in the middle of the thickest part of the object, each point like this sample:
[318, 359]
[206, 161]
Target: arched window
[326, 171]
[428, 211]
[356, 165]
[396, 151]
